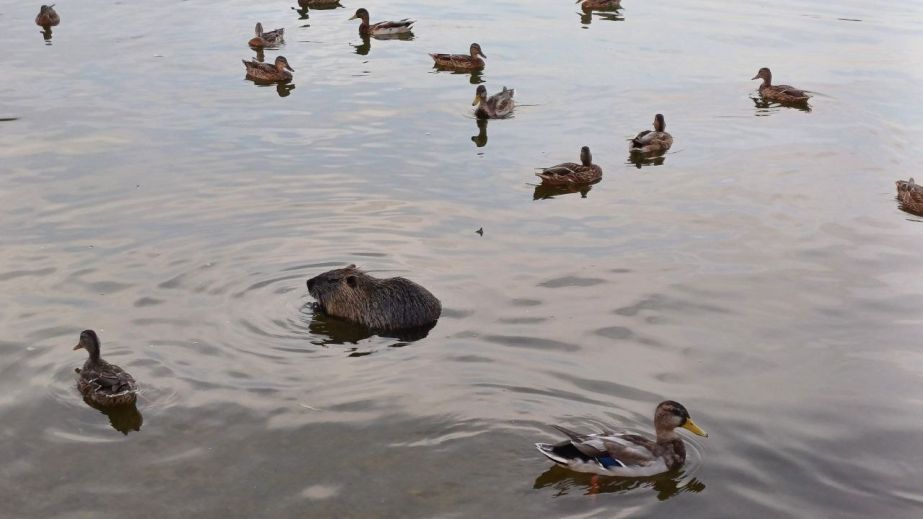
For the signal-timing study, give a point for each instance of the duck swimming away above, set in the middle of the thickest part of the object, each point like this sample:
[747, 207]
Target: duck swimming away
[103, 384]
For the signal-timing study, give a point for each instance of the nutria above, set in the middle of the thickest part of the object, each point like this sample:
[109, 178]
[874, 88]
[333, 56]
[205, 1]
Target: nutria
[378, 304]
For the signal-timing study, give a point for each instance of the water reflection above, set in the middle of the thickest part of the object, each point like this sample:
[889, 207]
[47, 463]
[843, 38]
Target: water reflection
[366, 46]
[283, 88]
[46, 34]
[476, 77]
[124, 418]
[318, 5]
[260, 55]
[480, 140]
[302, 13]
[613, 15]
[564, 482]
[544, 192]
[640, 160]
[333, 331]
[765, 108]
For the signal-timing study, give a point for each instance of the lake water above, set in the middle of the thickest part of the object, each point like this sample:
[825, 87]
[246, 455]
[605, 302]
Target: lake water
[761, 274]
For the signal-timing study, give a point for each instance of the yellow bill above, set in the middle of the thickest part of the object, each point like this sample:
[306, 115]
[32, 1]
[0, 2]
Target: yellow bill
[695, 429]
[476, 100]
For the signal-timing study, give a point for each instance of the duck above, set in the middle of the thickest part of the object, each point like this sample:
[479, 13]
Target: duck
[279, 71]
[47, 16]
[599, 5]
[656, 141]
[624, 454]
[381, 28]
[778, 93]
[496, 106]
[314, 4]
[569, 173]
[101, 383]
[910, 195]
[266, 39]
[469, 61]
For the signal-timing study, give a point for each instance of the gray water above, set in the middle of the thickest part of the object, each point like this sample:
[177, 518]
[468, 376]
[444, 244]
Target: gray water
[761, 273]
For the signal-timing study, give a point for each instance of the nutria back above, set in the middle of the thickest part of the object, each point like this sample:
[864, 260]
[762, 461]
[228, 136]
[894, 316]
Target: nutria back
[379, 304]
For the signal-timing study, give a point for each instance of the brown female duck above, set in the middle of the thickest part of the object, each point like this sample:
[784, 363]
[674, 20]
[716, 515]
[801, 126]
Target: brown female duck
[651, 142]
[279, 71]
[496, 106]
[910, 196]
[101, 383]
[469, 61]
[381, 28]
[318, 4]
[599, 5]
[266, 39]
[47, 16]
[627, 455]
[569, 173]
[779, 93]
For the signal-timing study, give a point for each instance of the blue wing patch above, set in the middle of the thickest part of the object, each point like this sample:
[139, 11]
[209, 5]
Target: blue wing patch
[609, 462]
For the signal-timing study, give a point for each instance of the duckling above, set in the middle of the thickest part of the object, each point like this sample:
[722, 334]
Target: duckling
[47, 16]
[266, 39]
[496, 106]
[381, 28]
[101, 383]
[779, 93]
[627, 455]
[471, 61]
[570, 173]
[280, 71]
[910, 195]
[657, 141]
[599, 5]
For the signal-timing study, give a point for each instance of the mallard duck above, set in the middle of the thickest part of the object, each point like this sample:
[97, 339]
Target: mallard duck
[469, 61]
[656, 141]
[315, 4]
[381, 28]
[267, 39]
[626, 455]
[280, 71]
[910, 195]
[779, 93]
[569, 173]
[47, 17]
[496, 106]
[101, 383]
[599, 5]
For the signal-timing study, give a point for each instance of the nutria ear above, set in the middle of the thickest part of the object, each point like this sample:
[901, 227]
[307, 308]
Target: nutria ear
[351, 281]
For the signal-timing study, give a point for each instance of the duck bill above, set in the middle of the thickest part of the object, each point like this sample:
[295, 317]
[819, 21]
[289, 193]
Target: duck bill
[290, 69]
[353, 17]
[481, 54]
[78, 347]
[755, 77]
[695, 429]
[477, 101]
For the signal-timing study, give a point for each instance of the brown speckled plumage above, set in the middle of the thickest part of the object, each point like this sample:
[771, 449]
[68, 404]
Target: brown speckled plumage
[652, 142]
[910, 196]
[279, 71]
[101, 383]
[599, 5]
[779, 93]
[470, 61]
[571, 173]
[47, 16]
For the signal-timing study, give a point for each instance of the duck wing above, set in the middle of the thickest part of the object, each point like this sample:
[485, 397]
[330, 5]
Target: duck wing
[607, 451]
[392, 27]
[790, 91]
[502, 103]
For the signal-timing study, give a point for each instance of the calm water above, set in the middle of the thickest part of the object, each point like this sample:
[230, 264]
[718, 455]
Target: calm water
[761, 274]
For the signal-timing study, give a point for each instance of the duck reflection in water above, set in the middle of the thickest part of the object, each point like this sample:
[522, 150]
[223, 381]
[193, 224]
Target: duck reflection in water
[46, 35]
[319, 4]
[666, 485]
[480, 140]
[333, 331]
[765, 107]
[604, 9]
[640, 160]
[547, 192]
[124, 418]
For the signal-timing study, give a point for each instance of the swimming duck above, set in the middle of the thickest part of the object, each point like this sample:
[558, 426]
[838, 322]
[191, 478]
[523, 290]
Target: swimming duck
[910, 196]
[266, 39]
[101, 383]
[570, 173]
[779, 93]
[280, 71]
[381, 28]
[627, 455]
[471, 61]
[496, 106]
[47, 17]
[315, 4]
[599, 5]
[657, 141]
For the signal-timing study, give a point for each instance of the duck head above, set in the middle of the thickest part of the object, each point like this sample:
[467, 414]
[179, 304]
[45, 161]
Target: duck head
[765, 75]
[586, 158]
[259, 29]
[361, 14]
[475, 51]
[659, 123]
[282, 63]
[90, 342]
[671, 415]
[480, 95]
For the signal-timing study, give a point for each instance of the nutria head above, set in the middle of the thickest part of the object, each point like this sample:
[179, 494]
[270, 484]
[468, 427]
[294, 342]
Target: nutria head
[379, 304]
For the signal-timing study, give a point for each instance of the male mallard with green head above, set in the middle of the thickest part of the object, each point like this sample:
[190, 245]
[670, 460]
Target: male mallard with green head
[627, 455]
[570, 173]
[779, 93]
[650, 142]
[496, 106]
[381, 28]
[279, 71]
[101, 383]
[469, 61]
